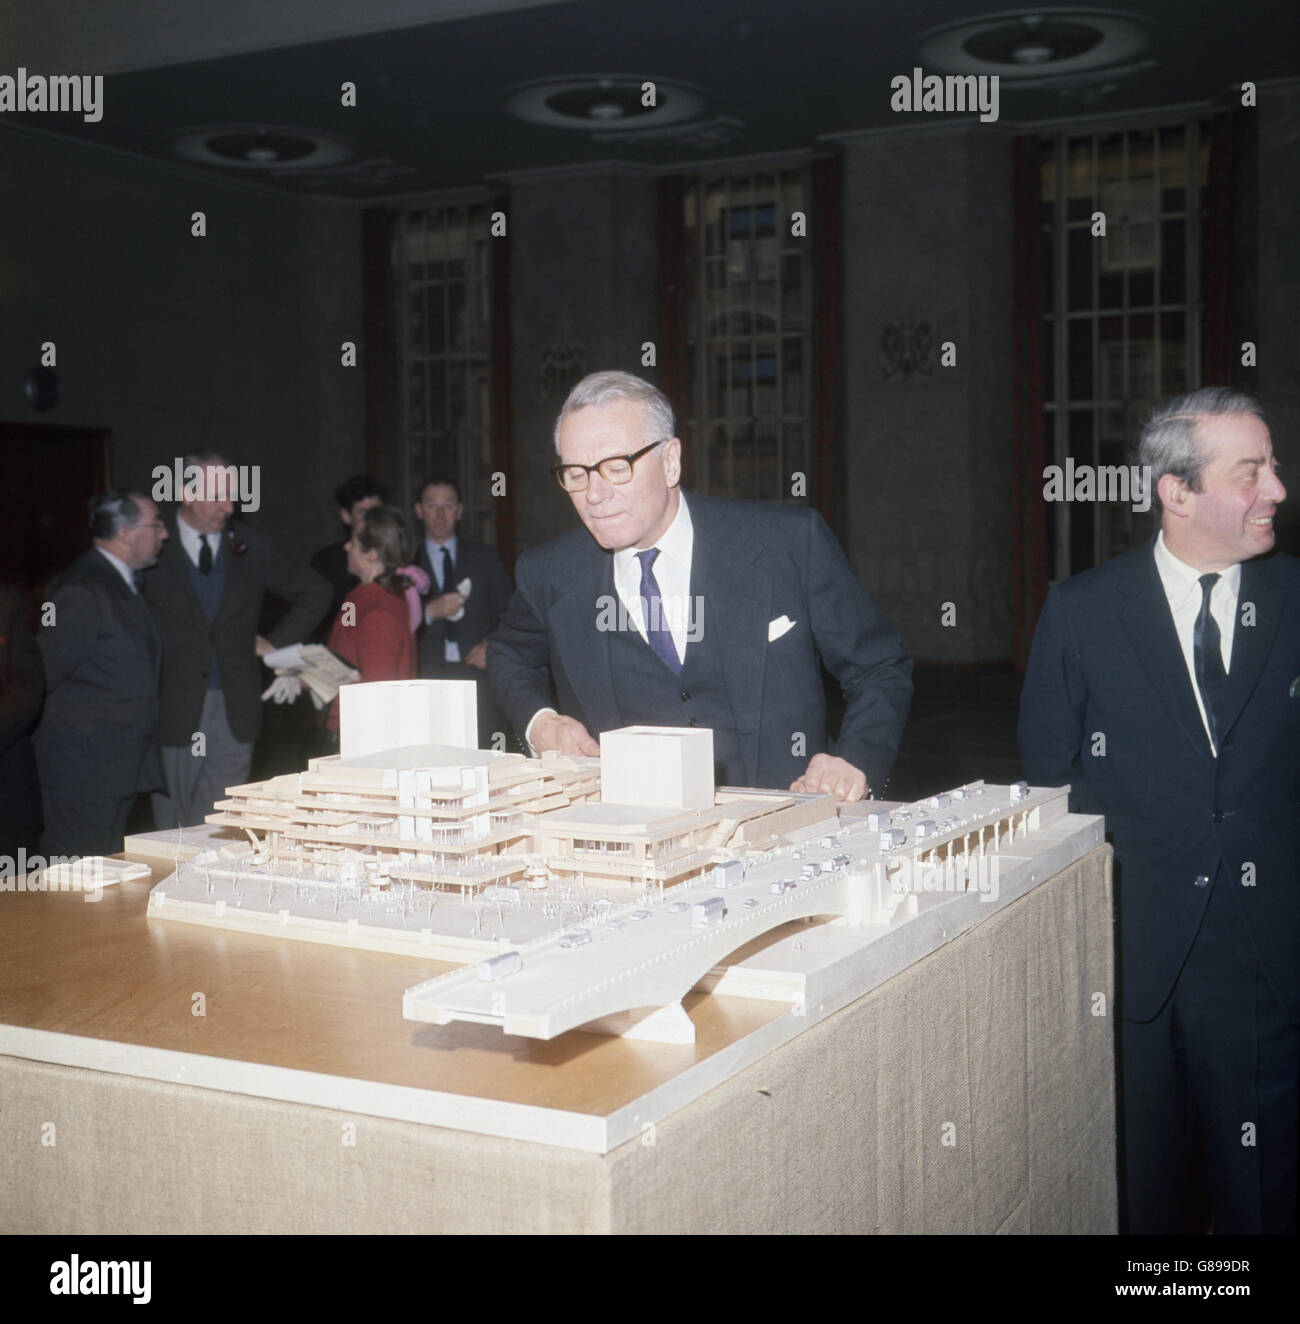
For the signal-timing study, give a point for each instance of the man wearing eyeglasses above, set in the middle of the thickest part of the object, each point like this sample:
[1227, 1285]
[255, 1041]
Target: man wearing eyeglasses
[97, 740]
[676, 609]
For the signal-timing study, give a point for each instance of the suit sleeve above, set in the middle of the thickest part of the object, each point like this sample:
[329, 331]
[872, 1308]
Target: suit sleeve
[22, 679]
[308, 594]
[519, 654]
[863, 652]
[1052, 705]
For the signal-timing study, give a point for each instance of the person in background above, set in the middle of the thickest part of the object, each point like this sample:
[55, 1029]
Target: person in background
[206, 597]
[454, 629]
[353, 497]
[373, 630]
[22, 686]
[97, 741]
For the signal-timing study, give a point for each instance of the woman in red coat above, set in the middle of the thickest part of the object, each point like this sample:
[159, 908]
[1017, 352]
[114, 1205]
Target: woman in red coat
[373, 629]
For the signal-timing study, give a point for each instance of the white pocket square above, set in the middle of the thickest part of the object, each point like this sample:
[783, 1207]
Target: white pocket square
[778, 627]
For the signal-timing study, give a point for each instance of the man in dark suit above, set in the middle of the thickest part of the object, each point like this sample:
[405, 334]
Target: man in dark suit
[97, 741]
[1163, 686]
[353, 497]
[680, 610]
[22, 686]
[206, 595]
[452, 639]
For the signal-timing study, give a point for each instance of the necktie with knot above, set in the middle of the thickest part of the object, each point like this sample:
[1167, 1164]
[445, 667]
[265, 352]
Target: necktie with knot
[657, 633]
[1207, 658]
[205, 555]
[448, 575]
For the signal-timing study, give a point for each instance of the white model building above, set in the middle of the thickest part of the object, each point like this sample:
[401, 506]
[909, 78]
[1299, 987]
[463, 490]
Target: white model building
[579, 889]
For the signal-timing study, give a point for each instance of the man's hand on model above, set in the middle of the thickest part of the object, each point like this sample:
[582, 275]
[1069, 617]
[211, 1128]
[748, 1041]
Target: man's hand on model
[565, 734]
[827, 775]
[477, 656]
[439, 608]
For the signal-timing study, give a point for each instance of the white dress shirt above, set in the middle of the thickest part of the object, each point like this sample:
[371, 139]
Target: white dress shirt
[451, 649]
[192, 540]
[672, 572]
[1183, 590]
[120, 566]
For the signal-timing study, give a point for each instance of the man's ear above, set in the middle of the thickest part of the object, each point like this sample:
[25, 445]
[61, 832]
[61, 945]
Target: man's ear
[673, 461]
[1174, 495]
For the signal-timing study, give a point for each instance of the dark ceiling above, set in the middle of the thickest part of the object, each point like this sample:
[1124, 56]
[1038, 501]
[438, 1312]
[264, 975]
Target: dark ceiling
[777, 75]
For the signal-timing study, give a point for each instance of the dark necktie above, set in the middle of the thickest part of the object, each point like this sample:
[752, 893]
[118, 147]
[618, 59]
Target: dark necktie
[205, 556]
[657, 633]
[1207, 657]
[137, 579]
[448, 575]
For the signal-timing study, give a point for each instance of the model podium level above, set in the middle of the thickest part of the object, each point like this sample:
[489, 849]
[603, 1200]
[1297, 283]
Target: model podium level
[596, 893]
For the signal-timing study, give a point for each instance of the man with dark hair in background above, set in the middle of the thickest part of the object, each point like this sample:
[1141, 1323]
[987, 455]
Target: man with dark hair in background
[353, 497]
[453, 635]
[1163, 687]
[206, 596]
[97, 741]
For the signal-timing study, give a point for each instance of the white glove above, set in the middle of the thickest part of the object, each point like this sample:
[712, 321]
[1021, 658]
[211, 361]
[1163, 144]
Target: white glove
[463, 589]
[283, 689]
[287, 658]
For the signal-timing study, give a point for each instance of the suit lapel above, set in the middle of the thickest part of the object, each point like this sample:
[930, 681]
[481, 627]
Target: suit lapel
[1149, 623]
[735, 597]
[1259, 601]
[131, 606]
[582, 646]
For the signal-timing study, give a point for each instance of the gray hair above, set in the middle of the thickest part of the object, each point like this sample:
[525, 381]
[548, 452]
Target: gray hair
[113, 511]
[1168, 442]
[604, 388]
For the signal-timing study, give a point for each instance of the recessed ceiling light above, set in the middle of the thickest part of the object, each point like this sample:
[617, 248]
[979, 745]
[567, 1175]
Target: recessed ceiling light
[591, 101]
[1040, 48]
[261, 147]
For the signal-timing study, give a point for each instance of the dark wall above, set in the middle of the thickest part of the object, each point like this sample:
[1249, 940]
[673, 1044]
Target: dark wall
[229, 342]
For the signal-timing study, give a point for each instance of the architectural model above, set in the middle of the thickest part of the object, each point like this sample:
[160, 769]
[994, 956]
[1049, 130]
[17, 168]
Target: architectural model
[588, 893]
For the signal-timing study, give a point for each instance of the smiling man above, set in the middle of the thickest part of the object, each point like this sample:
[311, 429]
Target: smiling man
[674, 609]
[1163, 687]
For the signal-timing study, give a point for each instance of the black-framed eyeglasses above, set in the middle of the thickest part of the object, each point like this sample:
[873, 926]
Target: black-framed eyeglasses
[613, 469]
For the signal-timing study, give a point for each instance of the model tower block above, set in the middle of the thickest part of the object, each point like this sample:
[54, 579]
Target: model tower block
[392, 714]
[663, 766]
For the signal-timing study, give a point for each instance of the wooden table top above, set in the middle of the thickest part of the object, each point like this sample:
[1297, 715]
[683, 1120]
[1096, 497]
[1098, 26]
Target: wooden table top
[104, 971]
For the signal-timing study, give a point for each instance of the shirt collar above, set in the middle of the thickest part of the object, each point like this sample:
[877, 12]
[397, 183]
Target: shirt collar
[119, 565]
[676, 543]
[192, 539]
[1181, 580]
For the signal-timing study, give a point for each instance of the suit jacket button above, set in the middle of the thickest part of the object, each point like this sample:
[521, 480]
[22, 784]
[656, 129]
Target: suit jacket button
[1217, 816]
[686, 696]
[1201, 880]
[692, 721]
